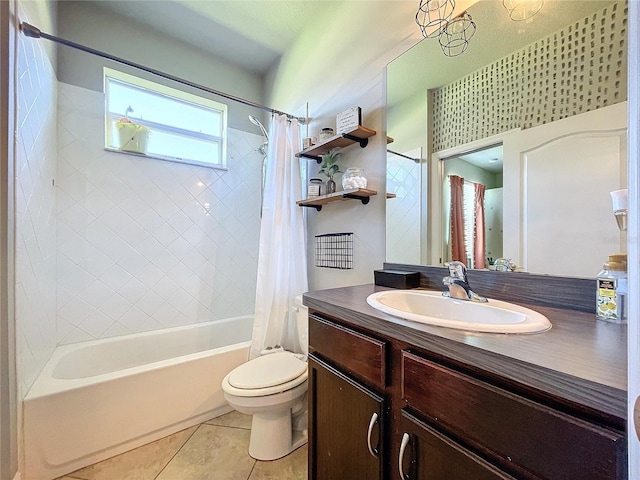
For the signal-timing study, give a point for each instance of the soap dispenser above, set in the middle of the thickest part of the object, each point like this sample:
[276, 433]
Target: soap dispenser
[611, 290]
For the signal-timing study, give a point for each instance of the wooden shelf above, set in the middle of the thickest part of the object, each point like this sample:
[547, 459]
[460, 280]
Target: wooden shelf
[359, 135]
[391, 195]
[349, 194]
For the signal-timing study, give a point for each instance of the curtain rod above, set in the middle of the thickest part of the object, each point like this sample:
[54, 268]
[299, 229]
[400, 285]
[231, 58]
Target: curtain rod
[417, 160]
[34, 32]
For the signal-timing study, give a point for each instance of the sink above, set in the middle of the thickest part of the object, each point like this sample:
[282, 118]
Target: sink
[434, 309]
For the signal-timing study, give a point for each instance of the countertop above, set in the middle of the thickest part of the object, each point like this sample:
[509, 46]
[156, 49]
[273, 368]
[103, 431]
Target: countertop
[581, 360]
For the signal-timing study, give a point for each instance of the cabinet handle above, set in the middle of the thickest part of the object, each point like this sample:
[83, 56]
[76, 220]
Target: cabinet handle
[403, 447]
[373, 451]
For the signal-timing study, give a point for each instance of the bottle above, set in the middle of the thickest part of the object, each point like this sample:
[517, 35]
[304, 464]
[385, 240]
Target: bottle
[611, 290]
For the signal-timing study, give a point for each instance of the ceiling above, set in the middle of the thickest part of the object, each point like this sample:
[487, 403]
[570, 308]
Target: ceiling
[424, 66]
[489, 159]
[253, 34]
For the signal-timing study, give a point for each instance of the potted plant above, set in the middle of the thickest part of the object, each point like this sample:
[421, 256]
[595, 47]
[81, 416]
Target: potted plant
[330, 167]
[132, 137]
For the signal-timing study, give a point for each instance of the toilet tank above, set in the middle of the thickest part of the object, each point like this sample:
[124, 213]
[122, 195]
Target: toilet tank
[302, 322]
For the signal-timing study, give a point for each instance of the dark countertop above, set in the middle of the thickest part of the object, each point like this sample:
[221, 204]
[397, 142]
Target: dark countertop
[580, 359]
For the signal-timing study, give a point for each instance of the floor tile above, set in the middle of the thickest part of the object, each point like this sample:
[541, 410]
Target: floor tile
[232, 419]
[212, 453]
[142, 463]
[291, 467]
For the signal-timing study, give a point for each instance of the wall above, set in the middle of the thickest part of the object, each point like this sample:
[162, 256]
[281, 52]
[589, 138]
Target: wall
[35, 164]
[32, 107]
[319, 69]
[88, 24]
[144, 243]
[493, 207]
[579, 68]
[407, 123]
[403, 211]
[8, 407]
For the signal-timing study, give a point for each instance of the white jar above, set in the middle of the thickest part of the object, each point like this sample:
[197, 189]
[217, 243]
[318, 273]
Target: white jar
[354, 178]
[326, 133]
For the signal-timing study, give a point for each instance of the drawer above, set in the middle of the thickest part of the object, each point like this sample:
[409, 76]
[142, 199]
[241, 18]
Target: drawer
[356, 354]
[526, 437]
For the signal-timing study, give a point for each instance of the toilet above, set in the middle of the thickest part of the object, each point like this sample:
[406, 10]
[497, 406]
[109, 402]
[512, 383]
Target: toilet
[273, 389]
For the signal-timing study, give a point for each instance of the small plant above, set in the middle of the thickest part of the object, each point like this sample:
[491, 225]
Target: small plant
[329, 167]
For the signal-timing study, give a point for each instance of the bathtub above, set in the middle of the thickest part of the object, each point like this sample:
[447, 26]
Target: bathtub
[94, 400]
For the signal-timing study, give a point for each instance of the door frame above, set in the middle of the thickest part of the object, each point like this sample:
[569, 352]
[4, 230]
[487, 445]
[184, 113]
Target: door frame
[8, 386]
[633, 234]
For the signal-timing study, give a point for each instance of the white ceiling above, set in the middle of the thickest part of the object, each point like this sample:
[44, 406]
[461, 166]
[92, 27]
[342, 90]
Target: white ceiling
[251, 33]
[255, 33]
[489, 159]
[424, 66]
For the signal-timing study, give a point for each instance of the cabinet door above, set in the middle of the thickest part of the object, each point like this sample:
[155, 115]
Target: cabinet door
[345, 426]
[426, 454]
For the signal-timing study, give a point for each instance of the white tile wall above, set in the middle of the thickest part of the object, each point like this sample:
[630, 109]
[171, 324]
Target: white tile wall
[35, 211]
[145, 244]
[403, 211]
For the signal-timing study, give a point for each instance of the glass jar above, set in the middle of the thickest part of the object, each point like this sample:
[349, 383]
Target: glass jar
[354, 178]
[326, 133]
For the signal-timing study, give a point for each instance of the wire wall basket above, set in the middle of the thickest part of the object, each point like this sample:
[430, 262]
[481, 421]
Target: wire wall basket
[334, 250]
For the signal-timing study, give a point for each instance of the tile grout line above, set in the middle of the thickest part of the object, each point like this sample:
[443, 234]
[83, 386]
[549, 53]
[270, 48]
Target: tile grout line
[226, 426]
[255, 464]
[177, 451]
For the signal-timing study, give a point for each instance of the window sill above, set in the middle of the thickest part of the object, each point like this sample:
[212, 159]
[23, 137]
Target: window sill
[165, 158]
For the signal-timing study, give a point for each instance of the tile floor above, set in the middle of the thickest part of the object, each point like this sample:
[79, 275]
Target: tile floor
[214, 450]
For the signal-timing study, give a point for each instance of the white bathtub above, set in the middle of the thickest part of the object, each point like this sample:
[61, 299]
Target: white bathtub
[97, 399]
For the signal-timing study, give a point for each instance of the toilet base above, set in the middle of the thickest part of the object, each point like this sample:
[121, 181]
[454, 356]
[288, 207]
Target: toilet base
[272, 436]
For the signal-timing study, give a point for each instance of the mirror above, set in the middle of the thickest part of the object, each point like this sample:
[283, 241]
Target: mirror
[518, 80]
[481, 174]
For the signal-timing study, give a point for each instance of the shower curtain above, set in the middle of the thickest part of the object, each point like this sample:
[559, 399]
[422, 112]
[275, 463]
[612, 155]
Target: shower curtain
[282, 258]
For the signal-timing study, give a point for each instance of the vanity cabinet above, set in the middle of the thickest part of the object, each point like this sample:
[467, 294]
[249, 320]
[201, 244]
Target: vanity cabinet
[347, 418]
[440, 418]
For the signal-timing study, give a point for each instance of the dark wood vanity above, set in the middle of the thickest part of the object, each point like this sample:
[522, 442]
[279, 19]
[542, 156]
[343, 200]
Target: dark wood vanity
[388, 396]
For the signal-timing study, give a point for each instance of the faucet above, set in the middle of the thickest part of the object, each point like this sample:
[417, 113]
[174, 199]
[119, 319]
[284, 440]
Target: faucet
[458, 284]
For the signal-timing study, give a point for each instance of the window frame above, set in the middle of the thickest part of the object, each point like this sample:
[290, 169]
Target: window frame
[175, 94]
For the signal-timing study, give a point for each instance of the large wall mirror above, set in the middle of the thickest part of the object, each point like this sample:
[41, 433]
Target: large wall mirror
[532, 119]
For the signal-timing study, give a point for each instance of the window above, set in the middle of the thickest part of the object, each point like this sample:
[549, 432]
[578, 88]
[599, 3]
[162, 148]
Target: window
[469, 208]
[147, 118]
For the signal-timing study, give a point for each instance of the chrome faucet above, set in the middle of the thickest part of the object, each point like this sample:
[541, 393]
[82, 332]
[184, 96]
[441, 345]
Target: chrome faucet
[458, 284]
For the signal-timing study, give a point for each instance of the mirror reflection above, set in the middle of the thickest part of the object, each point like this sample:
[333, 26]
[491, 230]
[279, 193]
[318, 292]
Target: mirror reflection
[543, 90]
[472, 207]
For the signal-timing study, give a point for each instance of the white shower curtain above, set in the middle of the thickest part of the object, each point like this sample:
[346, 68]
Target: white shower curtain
[282, 261]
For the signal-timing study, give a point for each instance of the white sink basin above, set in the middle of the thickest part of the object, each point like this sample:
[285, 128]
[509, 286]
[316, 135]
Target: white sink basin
[432, 308]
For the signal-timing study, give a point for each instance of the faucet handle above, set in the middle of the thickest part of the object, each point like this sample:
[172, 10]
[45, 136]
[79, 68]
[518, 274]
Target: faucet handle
[457, 270]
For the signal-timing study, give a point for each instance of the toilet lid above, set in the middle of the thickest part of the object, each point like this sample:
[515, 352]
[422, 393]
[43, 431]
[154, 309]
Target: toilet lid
[267, 371]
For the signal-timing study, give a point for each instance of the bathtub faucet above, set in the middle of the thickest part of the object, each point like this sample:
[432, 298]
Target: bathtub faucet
[458, 284]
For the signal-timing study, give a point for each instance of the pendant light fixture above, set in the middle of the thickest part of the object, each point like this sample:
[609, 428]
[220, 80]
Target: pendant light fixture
[455, 35]
[433, 15]
[520, 10]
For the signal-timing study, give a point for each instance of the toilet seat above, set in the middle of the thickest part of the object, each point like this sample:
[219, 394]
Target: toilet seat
[266, 375]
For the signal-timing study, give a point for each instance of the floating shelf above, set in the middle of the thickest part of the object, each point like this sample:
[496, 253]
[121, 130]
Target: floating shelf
[359, 135]
[391, 195]
[349, 194]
